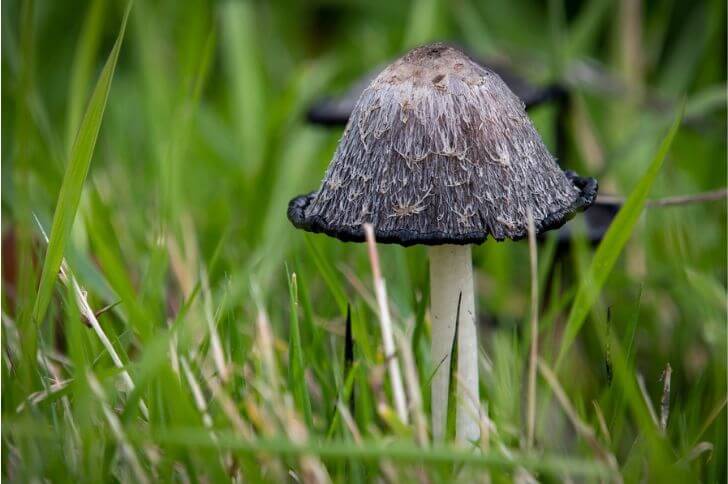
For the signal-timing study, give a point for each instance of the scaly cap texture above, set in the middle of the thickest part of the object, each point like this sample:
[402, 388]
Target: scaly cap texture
[335, 110]
[438, 150]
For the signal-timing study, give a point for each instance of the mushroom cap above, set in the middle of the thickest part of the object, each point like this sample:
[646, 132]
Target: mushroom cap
[438, 150]
[335, 110]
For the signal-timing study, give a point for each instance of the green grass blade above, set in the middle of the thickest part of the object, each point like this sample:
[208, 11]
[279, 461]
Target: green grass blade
[172, 193]
[108, 254]
[83, 66]
[345, 395]
[327, 272]
[611, 246]
[587, 26]
[658, 448]
[419, 331]
[631, 331]
[474, 29]
[401, 452]
[452, 393]
[296, 368]
[240, 50]
[73, 180]
[423, 22]
[419, 336]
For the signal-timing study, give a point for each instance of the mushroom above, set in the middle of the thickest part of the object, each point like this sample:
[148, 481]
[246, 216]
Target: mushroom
[334, 110]
[438, 151]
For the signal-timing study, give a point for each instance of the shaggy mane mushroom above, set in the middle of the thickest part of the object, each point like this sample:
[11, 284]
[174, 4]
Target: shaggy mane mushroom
[438, 151]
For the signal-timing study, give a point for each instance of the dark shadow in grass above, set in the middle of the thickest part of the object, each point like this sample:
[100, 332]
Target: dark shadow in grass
[349, 355]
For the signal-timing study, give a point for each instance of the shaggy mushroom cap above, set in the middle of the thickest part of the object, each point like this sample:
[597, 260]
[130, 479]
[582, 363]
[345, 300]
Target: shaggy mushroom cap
[335, 110]
[439, 151]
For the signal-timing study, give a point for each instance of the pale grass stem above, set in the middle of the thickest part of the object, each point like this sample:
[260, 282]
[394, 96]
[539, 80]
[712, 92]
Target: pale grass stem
[413, 389]
[37, 397]
[697, 451]
[703, 197]
[386, 325]
[67, 277]
[312, 468]
[665, 402]
[179, 266]
[229, 409]
[55, 387]
[485, 425]
[646, 398]
[602, 421]
[349, 422]
[118, 430]
[201, 404]
[265, 338]
[199, 398]
[365, 294]
[218, 355]
[359, 287]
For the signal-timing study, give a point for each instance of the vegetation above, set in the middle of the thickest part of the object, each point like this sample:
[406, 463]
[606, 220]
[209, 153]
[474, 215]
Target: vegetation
[174, 325]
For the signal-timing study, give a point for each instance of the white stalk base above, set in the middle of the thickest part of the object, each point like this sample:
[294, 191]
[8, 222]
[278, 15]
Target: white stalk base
[451, 274]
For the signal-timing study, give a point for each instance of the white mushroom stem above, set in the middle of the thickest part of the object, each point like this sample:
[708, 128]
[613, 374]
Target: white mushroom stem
[451, 274]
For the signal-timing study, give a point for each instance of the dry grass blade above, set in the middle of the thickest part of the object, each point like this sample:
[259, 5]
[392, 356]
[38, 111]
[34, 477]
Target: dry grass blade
[665, 402]
[413, 390]
[118, 430]
[385, 320]
[349, 422]
[646, 398]
[37, 397]
[218, 355]
[312, 469]
[57, 381]
[90, 316]
[199, 398]
[698, 450]
[265, 339]
[229, 409]
[704, 197]
[602, 421]
[485, 426]
[361, 289]
[358, 286]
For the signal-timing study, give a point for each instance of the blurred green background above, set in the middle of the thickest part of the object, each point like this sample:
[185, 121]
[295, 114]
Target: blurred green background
[182, 218]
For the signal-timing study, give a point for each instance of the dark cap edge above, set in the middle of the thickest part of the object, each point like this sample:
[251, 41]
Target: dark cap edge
[588, 188]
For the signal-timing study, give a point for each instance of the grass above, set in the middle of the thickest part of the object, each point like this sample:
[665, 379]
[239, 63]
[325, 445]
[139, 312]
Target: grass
[161, 167]
[614, 241]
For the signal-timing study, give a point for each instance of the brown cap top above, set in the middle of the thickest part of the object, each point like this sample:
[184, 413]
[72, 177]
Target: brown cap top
[438, 150]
